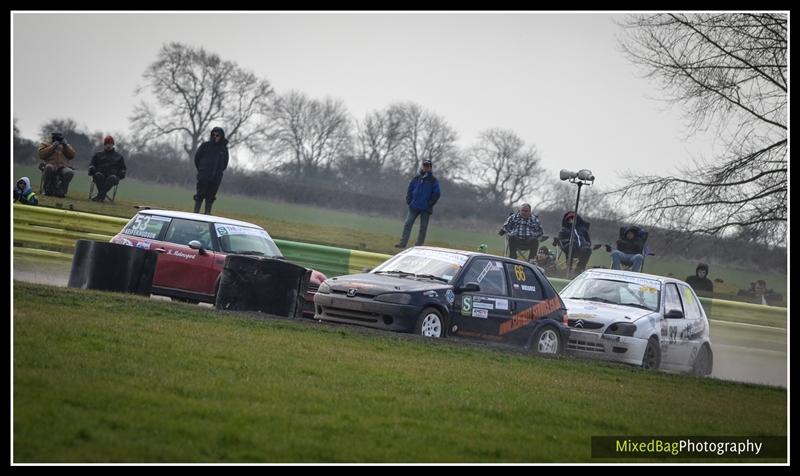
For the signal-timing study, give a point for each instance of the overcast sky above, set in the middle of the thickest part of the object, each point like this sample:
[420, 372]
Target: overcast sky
[558, 80]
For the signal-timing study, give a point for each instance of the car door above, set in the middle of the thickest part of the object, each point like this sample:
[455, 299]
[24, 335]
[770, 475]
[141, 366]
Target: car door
[526, 292]
[695, 329]
[480, 314]
[183, 268]
[674, 348]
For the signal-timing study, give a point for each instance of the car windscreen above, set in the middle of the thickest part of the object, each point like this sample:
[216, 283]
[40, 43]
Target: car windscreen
[145, 225]
[246, 240]
[642, 293]
[442, 265]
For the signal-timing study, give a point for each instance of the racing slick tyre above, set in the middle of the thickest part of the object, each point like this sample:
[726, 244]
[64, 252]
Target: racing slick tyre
[430, 323]
[652, 355]
[547, 341]
[704, 362]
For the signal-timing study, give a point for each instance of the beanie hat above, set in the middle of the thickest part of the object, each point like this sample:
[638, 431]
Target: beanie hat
[108, 140]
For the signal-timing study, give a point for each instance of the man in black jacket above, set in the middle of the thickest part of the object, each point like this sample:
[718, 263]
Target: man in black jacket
[210, 159]
[107, 168]
[629, 249]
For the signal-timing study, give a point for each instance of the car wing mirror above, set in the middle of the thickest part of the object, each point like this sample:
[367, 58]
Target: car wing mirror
[470, 287]
[196, 245]
[674, 314]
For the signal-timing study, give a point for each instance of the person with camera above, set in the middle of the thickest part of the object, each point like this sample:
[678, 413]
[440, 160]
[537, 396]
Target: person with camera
[581, 240]
[211, 159]
[55, 155]
[524, 231]
[107, 168]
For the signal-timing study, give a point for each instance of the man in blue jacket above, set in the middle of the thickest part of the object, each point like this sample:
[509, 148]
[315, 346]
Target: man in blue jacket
[423, 193]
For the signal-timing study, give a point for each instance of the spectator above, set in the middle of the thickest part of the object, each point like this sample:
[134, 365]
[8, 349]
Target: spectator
[56, 155]
[629, 249]
[23, 193]
[107, 168]
[581, 241]
[546, 259]
[524, 231]
[423, 193]
[758, 294]
[211, 159]
[699, 281]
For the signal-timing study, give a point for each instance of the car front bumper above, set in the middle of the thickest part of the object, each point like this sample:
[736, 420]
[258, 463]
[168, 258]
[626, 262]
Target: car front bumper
[365, 312]
[594, 345]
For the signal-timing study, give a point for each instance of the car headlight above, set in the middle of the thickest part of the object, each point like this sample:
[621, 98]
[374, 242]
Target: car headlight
[324, 288]
[621, 329]
[395, 298]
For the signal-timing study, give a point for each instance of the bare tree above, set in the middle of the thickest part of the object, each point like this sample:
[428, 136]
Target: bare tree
[306, 134]
[729, 71]
[427, 136]
[195, 91]
[381, 135]
[504, 167]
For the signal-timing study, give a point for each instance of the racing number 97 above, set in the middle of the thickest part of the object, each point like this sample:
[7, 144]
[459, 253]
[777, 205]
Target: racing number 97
[519, 271]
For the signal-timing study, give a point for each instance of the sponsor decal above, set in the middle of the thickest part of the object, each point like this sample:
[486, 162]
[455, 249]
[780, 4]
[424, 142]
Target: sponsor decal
[140, 233]
[223, 230]
[501, 304]
[466, 306]
[482, 305]
[180, 254]
[515, 285]
[531, 289]
[450, 295]
[125, 241]
[480, 313]
[531, 314]
[145, 245]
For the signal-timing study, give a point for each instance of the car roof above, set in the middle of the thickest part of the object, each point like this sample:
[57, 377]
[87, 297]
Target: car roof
[633, 274]
[198, 217]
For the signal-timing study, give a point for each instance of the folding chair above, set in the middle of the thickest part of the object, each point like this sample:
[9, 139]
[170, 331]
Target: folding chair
[113, 194]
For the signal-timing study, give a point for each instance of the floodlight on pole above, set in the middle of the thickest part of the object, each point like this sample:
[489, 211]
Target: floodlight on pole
[579, 178]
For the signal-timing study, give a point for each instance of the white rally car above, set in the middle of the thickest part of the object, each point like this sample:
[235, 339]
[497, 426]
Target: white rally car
[640, 319]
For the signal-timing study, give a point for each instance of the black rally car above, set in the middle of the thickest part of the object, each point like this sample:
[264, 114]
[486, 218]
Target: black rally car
[437, 292]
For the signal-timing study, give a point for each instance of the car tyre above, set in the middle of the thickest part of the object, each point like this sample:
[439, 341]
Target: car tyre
[652, 355]
[547, 341]
[704, 362]
[430, 323]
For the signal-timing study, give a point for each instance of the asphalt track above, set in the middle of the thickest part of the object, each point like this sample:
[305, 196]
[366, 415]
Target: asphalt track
[742, 352]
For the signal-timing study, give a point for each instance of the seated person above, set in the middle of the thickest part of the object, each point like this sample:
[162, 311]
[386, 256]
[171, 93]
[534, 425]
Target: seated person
[758, 294]
[23, 193]
[107, 168]
[629, 249]
[524, 231]
[581, 242]
[699, 281]
[56, 155]
[546, 259]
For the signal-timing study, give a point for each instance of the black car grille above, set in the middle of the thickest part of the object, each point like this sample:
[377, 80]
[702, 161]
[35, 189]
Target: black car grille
[586, 346]
[357, 294]
[352, 315]
[585, 324]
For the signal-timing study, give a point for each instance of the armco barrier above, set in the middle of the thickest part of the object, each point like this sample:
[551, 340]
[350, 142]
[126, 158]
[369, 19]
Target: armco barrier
[41, 230]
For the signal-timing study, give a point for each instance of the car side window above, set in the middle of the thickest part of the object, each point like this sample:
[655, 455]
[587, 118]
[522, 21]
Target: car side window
[181, 232]
[672, 300]
[524, 283]
[690, 303]
[145, 225]
[490, 276]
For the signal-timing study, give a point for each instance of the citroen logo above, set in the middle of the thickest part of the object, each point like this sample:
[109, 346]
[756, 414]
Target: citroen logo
[579, 323]
[351, 292]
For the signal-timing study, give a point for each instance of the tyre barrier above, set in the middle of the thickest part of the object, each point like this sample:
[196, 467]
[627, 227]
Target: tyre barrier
[111, 267]
[252, 283]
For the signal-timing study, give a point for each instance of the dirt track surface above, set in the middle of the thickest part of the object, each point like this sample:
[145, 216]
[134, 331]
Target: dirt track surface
[743, 353]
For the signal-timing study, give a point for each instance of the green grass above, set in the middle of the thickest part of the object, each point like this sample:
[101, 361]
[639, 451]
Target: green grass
[102, 377]
[353, 230]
